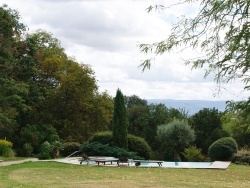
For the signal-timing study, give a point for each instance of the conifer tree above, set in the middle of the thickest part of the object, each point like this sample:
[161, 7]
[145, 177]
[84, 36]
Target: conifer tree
[120, 122]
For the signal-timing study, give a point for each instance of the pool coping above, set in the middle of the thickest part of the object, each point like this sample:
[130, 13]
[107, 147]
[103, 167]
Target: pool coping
[214, 165]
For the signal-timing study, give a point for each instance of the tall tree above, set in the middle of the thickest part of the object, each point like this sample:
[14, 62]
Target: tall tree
[12, 87]
[120, 122]
[220, 30]
[207, 126]
[138, 114]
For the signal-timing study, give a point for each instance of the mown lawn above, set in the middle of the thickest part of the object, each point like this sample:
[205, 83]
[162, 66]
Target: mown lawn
[53, 174]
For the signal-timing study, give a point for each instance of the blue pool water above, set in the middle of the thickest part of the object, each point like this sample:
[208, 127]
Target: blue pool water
[180, 164]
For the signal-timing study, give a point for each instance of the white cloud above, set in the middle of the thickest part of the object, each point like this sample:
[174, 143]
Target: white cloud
[105, 34]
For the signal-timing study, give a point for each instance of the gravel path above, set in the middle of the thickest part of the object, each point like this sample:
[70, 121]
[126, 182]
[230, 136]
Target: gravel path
[7, 163]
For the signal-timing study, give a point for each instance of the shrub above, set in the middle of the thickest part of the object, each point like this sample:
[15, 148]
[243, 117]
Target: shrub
[46, 150]
[69, 148]
[135, 143]
[223, 149]
[27, 150]
[139, 145]
[242, 156]
[56, 147]
[98, 149]
[5, 148]
[102, 137]
[193, 154]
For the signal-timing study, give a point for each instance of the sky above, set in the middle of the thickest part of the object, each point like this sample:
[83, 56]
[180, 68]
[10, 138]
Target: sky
[105, 34]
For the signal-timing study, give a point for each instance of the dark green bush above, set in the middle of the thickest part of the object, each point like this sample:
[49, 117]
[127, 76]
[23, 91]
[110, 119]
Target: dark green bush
[69, 148]
[27, 150]
[98, 149]
[223, 149]
[139, 145]
[102, 137]
[46, 150]
[135, 143]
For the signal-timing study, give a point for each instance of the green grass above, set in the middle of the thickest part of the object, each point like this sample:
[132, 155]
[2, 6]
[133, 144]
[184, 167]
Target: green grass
[53, 174]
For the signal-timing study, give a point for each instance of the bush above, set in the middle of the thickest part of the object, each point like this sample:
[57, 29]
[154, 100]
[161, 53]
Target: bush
[56, 147]
[98, 149]
[193, 154]
[69, 148]
[242, 156]
[223, 149]
[5, 149]
[139, 145]
[135, 143]
[27, 150]
[102, 137]
[46, 150]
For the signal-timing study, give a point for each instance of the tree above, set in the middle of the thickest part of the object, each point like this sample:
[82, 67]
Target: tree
[220, 30]
[236, 122]
[207, 126]
[138, 114]
[12, 88]
[120, 122]
[176, 135]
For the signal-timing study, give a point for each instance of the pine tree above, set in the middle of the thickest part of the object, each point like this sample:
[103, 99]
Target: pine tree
[120, 122]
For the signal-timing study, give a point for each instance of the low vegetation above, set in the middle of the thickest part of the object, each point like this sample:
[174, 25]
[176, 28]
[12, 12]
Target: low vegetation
[52, 174]
[223, 149]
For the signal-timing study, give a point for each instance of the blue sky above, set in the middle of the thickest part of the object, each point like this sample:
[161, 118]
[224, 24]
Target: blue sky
[105, 34]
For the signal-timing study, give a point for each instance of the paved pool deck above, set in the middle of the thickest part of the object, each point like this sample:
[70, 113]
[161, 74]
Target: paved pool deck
[76, 161]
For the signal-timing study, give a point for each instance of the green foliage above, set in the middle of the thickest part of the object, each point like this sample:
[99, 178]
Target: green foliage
[69, 148]
[120, 122]
[27, 150]
[46, 150]
[102, 137]
[40, 86]
[227, 54]
[236, 121]
[36, 135]
[176, 135]
[6, 149]
[223, 149]
[207, 126]
[139, 145]
[56, 147]
[98, 149]
[135, 144]
[138, 114]
[242, 156]
[193, 154]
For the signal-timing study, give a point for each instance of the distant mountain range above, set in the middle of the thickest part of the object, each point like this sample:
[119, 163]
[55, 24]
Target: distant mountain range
[191, 106]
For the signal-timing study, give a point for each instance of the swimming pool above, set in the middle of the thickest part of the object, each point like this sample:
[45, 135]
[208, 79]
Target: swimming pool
[179, 164]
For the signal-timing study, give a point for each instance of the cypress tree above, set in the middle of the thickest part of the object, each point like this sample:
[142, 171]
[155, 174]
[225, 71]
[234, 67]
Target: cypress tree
[120, 122]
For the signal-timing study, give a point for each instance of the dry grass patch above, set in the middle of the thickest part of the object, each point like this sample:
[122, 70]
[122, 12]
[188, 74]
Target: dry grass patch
[52, 174]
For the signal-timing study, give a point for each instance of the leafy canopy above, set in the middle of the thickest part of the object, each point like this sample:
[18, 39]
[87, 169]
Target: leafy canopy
[220, 30]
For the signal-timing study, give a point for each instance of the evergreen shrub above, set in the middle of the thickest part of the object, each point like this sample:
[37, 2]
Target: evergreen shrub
[46, 150]
[98, 149]
[135, 143]
[27, 150]
[223, 149]
[69, 148]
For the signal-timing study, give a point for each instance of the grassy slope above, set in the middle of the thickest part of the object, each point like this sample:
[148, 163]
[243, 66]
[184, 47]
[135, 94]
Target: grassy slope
[52, 174]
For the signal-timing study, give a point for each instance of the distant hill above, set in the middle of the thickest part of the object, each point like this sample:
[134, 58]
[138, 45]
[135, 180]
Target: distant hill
[191, 106]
